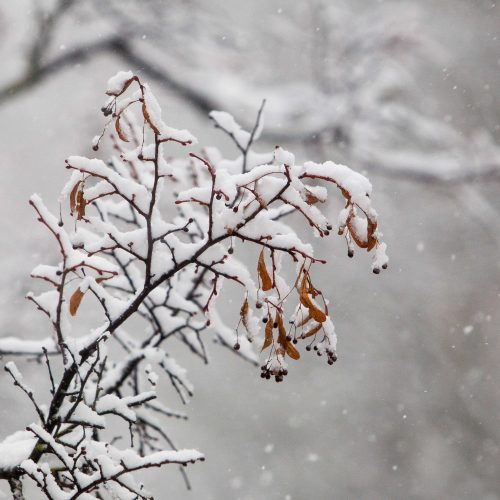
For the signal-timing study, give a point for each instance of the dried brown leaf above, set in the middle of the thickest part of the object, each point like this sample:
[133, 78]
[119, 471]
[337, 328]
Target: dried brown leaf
[372, 241]
[291, 351]
[75, 300]
[281, 329]
[305, 300]
[311, 199]
[80, 205]
[244, 309]
[145, 113]
[317, 314]
[121, 134]
[297, 279]
[268, 340]
[303, 295]
[244, 319]
[367, 242]
[267, 283]
[313, 331]
[73, 196]
[286, 345]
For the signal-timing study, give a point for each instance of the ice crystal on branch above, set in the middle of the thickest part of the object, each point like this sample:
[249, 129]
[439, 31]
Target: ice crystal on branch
[155, 238]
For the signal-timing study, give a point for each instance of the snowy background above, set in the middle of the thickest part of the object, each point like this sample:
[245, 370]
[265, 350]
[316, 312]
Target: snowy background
[406, 92]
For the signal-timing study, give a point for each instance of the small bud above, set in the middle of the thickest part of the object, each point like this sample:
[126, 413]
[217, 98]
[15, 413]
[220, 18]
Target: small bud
[326, 233]
[350, 253]
[218, 196]
[230, 251]
[329, 227]
[384, 266]
[237, 346]
[308, 347]
[235, 209]
[264, 320]
[258, 305]
[376, 270]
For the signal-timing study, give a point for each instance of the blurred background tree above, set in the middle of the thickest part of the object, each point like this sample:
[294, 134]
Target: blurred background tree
[407, 91]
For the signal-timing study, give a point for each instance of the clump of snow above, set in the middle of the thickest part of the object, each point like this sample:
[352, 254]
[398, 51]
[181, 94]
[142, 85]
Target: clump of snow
[468, 329]
[227, 122]
[16, 448]
[117, 82]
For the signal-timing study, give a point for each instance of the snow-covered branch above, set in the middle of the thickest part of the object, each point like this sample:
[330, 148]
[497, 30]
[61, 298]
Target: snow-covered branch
[155, 238]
